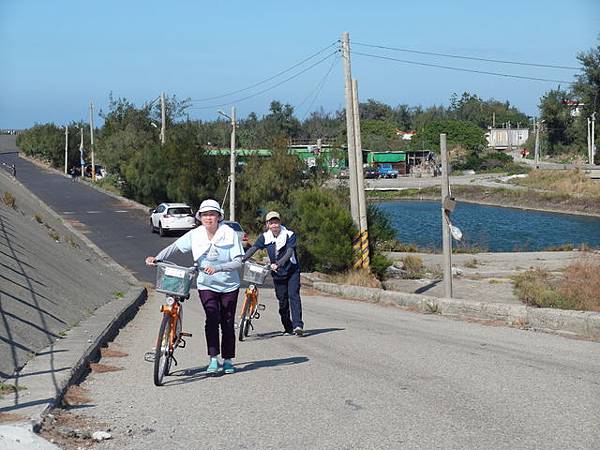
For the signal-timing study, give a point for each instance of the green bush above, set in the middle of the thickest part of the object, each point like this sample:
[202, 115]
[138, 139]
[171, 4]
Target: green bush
[324, 228]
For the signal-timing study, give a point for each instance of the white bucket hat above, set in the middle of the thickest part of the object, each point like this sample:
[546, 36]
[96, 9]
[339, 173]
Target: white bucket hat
[210, 205]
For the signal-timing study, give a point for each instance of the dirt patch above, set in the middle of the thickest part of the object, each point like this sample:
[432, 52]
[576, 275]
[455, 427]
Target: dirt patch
[111, 353]
[9, 417]
[75, 396]
[103, 368]
[70, 431]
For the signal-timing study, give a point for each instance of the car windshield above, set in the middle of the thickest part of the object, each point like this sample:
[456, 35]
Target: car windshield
[236, 226]
[179, 210]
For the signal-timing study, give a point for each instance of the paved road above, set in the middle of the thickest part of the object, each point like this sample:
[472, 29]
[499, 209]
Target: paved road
[366, 376]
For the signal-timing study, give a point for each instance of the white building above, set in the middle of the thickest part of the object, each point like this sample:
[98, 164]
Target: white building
[505, 138]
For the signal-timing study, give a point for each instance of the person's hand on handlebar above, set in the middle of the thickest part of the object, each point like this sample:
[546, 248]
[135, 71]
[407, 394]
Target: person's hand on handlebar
[209, 270]
[274, 267]
[150, 261]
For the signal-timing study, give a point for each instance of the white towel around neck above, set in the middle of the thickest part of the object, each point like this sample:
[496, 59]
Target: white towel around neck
[224, 236]
[280, 240]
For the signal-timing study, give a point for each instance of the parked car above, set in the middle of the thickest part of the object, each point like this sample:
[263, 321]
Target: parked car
[387, 171]
[370, 172]
[240, 232]
[171, 217]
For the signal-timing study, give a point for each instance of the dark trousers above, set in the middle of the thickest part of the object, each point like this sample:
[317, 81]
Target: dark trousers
[220, 310]
[287, 291]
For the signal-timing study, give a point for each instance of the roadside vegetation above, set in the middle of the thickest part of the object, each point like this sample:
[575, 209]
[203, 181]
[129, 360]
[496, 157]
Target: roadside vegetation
[568, 182]
[576, 288]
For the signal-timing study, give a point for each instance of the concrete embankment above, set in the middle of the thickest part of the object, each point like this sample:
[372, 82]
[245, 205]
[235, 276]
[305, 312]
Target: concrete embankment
[50, 277]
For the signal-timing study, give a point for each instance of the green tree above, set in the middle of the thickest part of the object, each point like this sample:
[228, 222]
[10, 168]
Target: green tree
[558, 121]
[458, 134]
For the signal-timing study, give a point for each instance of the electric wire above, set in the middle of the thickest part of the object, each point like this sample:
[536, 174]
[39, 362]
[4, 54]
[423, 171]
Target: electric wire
[266, 80]
[270, 87]
[460, 69]
[473, 58]
[315, 92]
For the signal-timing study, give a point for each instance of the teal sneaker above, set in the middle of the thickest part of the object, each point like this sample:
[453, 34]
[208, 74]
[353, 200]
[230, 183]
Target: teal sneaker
[213, 367]
[228, 366]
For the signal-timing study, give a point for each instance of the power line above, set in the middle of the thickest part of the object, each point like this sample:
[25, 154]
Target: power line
[460, 69]
[315, 92]
[267, 79]
[473, 58]
[269, 88]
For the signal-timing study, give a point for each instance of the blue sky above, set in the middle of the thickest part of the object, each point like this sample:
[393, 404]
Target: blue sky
[58, 55]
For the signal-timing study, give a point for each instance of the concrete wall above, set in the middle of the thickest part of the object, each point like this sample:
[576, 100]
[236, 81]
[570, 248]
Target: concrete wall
[49, 279]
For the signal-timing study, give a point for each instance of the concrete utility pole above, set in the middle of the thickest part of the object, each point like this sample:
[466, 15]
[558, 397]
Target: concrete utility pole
[360, 180]
[232, 168]
[163, 116]
[352, 177]
[81, 161]
[593, 137]
[66, 147]
[537, 142]
[589, 142]
[446, 238]
[92, 140]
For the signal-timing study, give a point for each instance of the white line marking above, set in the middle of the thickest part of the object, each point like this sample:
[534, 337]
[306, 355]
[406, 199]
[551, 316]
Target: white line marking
[93, 212]
[121, 211]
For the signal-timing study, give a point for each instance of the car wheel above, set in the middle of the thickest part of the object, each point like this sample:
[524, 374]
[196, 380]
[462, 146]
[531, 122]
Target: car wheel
[161, 230]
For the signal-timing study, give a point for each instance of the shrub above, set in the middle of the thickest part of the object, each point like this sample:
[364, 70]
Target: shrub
[535, 288]
[325, 229]
[580, 286]
[413, 266]
[360, 277]
[9, 200]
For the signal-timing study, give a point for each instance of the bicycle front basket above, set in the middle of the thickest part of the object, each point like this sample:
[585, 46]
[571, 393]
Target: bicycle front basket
[174, 280]
[255, 273]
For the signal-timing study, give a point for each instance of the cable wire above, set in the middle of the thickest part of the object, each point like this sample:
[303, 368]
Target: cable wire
[267, 79]
[315, 92]
[473, 58]
[460, 69]
[269, 88]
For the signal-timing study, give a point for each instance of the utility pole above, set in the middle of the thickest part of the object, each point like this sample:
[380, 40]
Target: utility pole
[163, 115]
[66, 147]
[589, 142]
[81, 160]
[352, 178]
[362, 202]
[493, 120]
[446, 238]
[537, 142]
[92, 140]
[593, 137]
[232, 168]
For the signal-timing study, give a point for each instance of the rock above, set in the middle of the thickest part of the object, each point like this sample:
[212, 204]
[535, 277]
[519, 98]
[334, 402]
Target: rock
[456, 271]
[101, 435]
[394, 272]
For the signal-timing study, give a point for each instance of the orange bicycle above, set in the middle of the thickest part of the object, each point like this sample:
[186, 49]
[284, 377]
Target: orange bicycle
[255, 274]
[174, 281]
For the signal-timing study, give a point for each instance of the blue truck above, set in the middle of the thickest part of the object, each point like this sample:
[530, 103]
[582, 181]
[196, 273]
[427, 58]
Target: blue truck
[387, 171]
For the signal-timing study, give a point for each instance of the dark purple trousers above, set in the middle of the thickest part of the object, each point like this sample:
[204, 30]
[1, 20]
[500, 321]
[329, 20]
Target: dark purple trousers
[220, 310]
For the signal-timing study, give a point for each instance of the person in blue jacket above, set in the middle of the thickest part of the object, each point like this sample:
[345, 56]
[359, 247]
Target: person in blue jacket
[281, 248]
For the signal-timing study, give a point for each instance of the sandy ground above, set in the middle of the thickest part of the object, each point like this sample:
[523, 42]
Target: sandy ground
[484, 275]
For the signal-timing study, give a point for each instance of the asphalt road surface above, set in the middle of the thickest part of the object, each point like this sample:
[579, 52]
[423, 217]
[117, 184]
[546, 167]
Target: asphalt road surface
[365, 376]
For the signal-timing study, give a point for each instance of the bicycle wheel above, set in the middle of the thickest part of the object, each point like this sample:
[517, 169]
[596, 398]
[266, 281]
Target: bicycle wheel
[244, 320]
[162, 356]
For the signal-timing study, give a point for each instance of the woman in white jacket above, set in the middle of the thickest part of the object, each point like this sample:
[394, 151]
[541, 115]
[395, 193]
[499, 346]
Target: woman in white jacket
[217, 250]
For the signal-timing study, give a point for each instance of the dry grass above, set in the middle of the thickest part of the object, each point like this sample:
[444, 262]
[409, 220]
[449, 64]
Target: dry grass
[571, 182]
[472, 263]
[413, 266]
[361, 277]
[9, 200]
[580, 285]
[103, 368]
[76, 395]
[578, 288]
[10, 417]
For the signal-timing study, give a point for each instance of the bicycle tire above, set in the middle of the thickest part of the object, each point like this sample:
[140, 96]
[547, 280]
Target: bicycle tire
[162, 358]
[245, 320]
